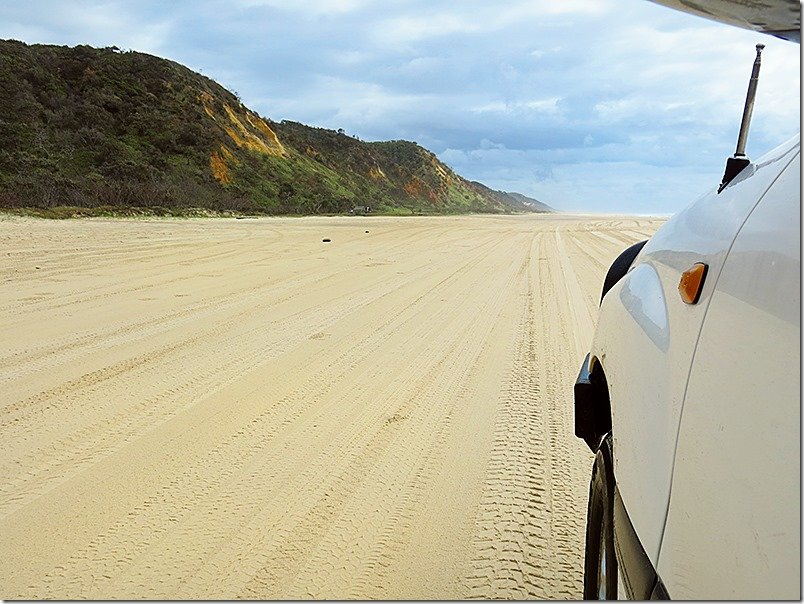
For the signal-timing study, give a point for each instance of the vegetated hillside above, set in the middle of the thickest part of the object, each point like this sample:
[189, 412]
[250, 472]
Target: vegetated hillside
[99, 127]
[516, 201]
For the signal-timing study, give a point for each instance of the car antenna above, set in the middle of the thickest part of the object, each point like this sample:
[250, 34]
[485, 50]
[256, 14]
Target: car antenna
[736, 163]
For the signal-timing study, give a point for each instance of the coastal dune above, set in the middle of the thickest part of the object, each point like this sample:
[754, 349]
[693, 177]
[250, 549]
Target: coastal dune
[224, 409]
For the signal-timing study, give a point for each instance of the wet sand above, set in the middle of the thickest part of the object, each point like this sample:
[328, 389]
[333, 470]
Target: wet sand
[222, 409]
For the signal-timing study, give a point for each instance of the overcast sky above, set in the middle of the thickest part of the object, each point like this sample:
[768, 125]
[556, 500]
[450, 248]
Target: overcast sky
[587, 105]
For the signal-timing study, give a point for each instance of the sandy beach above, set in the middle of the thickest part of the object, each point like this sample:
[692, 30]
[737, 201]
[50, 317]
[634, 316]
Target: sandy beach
[224, 409]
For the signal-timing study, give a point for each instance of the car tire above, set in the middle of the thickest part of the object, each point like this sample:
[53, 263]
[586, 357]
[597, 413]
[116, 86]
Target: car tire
[600, 565]
[620, 267]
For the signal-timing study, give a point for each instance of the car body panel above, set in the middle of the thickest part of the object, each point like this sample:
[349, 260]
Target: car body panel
[736, 481]
[646, 337]
[780, 18]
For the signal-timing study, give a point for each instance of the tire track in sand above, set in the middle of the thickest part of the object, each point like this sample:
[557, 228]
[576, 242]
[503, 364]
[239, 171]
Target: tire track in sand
[513, 537]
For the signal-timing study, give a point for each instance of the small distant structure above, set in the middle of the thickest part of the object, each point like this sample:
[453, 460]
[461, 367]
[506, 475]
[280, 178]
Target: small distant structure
[361, 210]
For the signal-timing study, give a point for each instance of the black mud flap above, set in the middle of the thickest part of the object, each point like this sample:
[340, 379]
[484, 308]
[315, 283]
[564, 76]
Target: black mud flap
[592, 412]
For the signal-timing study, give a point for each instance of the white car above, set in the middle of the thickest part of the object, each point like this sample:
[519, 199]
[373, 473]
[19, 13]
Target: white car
[690, 395]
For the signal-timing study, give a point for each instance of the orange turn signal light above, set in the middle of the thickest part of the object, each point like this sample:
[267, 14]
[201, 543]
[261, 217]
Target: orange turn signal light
[691, 283]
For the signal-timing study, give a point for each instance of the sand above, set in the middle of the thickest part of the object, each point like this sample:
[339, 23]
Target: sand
[222, 409]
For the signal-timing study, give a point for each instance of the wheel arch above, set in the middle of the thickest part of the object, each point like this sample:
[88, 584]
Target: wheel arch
[619, 268]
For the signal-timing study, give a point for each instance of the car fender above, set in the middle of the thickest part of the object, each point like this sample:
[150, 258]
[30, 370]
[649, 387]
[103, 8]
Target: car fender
[735, 496]
[646, 336]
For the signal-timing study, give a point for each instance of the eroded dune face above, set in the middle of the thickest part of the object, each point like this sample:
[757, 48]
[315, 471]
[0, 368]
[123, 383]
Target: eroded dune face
[234, 409]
